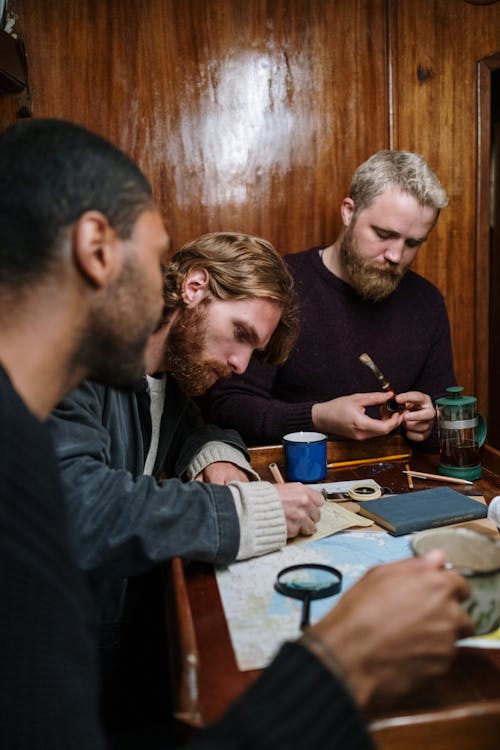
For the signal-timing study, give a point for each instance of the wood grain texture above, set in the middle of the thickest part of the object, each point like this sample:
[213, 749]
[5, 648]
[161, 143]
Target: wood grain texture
[253, 115]
[488, 244]
[435, 48]
[180, 630]
[470, 727]
[246, 115]
[339, 451]
[9, 104]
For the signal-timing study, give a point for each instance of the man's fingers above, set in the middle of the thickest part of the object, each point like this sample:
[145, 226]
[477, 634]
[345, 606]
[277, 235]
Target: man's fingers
[372, 399]
[301, 506]
[308, 528]
[317, 498]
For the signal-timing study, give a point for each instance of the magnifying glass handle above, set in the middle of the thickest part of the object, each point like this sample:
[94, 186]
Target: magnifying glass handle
[306, 611]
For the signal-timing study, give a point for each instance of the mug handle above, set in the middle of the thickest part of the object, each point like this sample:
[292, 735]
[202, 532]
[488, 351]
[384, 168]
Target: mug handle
[481, 430]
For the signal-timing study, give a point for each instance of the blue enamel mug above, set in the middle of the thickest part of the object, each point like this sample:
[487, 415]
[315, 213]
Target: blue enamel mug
[305, 456]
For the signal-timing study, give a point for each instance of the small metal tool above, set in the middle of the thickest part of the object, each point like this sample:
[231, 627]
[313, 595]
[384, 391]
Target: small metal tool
[392, 405]
[365, 489]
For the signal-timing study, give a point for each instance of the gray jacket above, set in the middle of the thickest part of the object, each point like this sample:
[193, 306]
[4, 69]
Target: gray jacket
[123, 522]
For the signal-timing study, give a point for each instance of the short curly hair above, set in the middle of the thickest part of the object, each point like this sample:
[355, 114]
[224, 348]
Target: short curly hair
[53, 171]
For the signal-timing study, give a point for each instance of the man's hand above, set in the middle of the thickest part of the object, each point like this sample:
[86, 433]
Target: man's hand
[345, 416]
[419, 415]
[396, 626]
[301, 506]
[222, 472]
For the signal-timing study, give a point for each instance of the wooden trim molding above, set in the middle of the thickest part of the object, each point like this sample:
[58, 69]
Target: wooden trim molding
[484, 69]
[13, 68]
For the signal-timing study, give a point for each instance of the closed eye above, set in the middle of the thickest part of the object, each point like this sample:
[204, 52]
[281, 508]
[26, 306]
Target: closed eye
[241, 334]
[413, 243]
[386, 234]
[383, 234]
[245, 334]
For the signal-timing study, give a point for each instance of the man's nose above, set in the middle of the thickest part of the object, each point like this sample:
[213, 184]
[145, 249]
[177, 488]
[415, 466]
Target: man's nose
[239, 360]
[394, 250]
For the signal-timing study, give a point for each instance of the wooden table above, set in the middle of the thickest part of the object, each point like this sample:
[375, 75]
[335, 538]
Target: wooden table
[460, 711]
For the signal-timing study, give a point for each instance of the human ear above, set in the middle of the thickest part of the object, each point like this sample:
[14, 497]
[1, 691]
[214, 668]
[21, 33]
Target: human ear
[195, 286]
[96, 248]
[347, 211]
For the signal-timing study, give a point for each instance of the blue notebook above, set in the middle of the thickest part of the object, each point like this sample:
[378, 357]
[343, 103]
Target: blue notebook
[414, 511]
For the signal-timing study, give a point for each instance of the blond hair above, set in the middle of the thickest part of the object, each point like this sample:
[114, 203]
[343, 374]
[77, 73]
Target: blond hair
[403, 169]
[239, 266]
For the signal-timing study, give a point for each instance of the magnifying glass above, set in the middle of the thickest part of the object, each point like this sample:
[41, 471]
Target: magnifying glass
[307, 582]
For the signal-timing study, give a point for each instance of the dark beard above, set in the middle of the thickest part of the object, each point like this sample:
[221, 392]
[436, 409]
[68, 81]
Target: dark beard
[371, 282]
[114, 361]
[113, 344]
[184, 350]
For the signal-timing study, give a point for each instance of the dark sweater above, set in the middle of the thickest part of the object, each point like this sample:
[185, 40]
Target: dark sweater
[407, 335]
[295, 705]
[48, 672]
[48, 680]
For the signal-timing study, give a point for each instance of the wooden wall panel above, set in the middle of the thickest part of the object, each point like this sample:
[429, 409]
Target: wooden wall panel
[435, 48]
[247, 115]
[252, 115]
[9, 105]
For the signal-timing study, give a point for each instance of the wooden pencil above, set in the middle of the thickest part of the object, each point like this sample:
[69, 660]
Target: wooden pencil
[375, 460]
[278, 476]
[438, 477]
[408, 476]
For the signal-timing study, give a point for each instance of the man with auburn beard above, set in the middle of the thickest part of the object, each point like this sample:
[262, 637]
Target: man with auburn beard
[357, 296]
[80, 290]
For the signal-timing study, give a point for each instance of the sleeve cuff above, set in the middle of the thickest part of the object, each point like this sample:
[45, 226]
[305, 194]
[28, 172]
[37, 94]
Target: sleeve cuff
[298, 417]
[261, 517]
[214, 451]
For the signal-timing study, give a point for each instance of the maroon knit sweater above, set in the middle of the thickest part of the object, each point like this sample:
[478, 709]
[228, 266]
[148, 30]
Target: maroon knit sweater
[407, 335]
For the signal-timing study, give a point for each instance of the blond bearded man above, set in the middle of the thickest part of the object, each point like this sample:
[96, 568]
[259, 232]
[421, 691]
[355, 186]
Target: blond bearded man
[357, 295]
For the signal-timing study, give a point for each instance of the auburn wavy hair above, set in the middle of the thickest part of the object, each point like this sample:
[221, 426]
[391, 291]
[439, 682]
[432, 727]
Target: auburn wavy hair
[239, 266]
